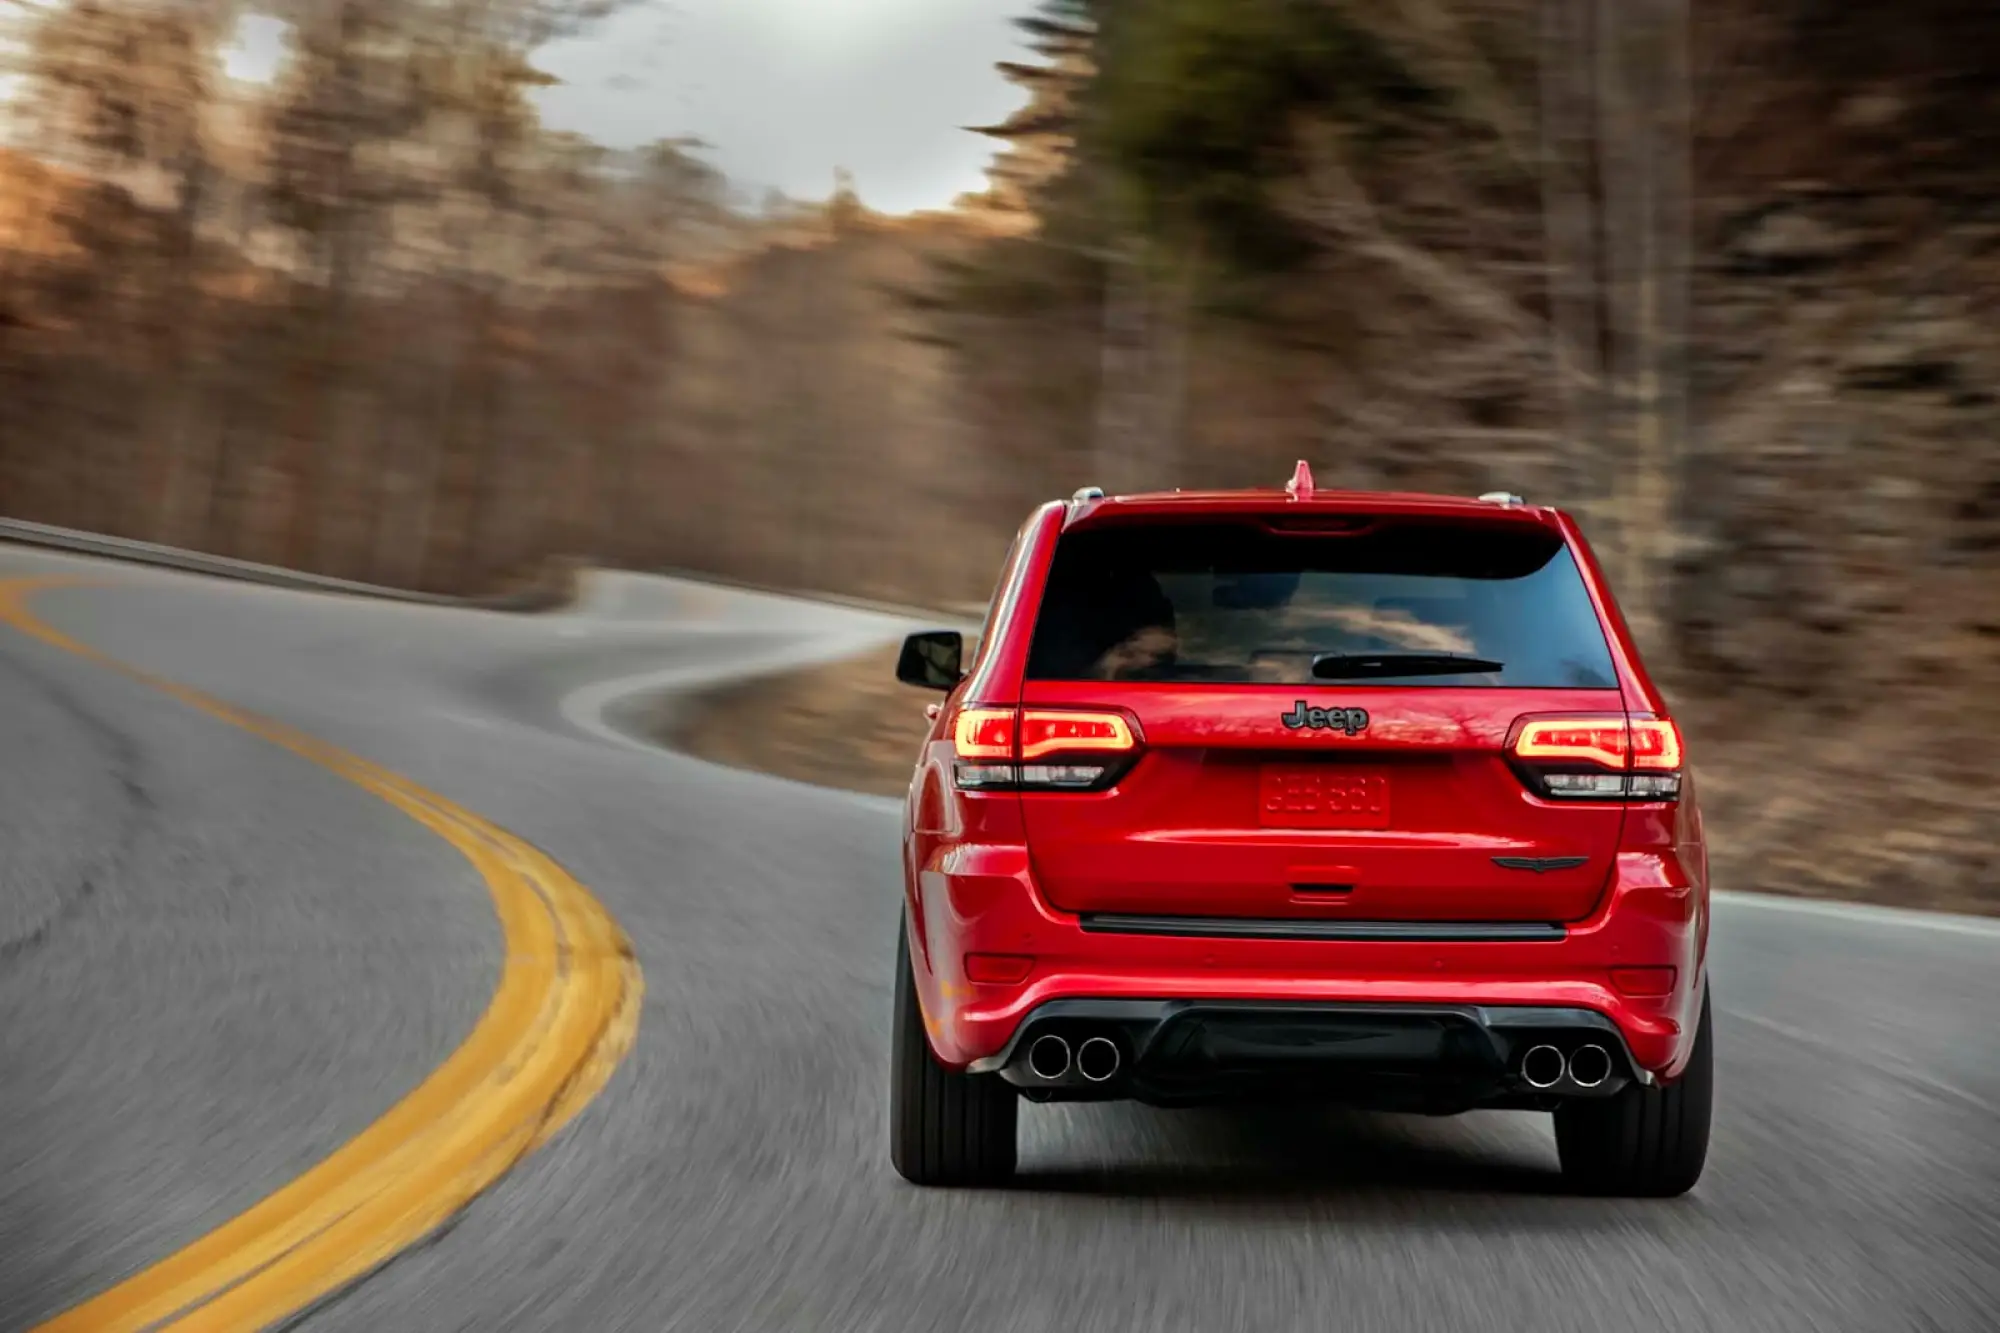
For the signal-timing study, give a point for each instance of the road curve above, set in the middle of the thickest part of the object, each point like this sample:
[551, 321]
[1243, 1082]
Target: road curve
[219, 964]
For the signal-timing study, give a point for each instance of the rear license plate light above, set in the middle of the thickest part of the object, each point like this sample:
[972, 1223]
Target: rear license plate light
[1322, 796]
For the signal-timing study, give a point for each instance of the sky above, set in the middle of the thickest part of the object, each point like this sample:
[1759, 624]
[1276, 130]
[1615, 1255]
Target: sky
[784, 91]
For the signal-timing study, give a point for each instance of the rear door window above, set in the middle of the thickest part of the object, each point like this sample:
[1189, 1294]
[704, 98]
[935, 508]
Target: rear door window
[1234, 603]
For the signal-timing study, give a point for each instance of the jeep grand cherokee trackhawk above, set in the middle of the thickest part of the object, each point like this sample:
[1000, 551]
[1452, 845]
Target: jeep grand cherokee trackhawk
[1351, 797]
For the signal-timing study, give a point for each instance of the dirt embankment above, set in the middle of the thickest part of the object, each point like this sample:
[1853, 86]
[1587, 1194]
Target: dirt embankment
[847, 724]
[1813, 819]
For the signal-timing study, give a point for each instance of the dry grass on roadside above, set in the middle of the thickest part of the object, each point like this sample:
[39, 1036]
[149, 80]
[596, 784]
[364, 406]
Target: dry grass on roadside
[846, 724]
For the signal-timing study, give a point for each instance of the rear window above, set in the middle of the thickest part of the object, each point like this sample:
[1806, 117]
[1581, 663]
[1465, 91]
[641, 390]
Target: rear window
[1238, 604]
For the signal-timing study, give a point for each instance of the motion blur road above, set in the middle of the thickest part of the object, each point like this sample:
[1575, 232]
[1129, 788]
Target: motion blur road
[219, 962]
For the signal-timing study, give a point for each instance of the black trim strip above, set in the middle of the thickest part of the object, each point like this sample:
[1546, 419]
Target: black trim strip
[1404, 932]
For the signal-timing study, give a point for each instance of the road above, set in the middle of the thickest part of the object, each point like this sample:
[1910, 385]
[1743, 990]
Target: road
[219, 962]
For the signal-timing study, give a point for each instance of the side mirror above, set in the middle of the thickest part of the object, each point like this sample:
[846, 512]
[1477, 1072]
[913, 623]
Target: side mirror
[932, 660]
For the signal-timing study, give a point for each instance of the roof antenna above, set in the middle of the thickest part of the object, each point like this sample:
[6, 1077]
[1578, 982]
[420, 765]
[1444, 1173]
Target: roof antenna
[1300, 487]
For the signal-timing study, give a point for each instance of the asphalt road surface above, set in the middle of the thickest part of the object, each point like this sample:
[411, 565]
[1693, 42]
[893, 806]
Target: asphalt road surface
[218, 963]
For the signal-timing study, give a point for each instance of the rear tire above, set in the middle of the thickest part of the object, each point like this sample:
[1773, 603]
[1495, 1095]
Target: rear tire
[1645, 1142]
[945, 1128]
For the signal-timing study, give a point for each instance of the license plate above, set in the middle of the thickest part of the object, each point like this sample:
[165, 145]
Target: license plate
[1322, 796]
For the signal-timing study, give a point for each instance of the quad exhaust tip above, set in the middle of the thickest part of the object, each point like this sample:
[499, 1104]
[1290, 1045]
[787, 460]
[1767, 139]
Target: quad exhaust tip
[1048, 1058]
[1589, 1066]
[1542, 1067]
[1098, 1059]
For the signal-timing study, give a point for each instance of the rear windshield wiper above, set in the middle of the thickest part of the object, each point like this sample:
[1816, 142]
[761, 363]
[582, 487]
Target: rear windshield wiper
[1370, 666]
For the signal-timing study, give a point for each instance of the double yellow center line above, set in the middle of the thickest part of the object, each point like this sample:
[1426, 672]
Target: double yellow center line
[564, 1014]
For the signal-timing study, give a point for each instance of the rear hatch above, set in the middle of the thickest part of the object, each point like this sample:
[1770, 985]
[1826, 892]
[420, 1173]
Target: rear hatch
[1323, 720]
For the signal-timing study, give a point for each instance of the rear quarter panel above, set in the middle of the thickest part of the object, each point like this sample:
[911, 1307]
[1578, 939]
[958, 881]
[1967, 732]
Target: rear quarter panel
[1666, 846]
[942, 823]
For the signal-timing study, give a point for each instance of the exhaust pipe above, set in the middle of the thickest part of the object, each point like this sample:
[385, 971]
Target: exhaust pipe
[1542, 1067]
[1098, 1059]
[1590, 1066]
[1048, 1058]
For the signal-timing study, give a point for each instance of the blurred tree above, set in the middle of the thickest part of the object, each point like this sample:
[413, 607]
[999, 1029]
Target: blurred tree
[1038, 140]
[122, 93]
[1078, 244]
[408, 123]
[477, 85]
[351, 94]
[682, 202]
[1185, 160]
[1198, 100]
[327, 308]
[118, 86]
[844, 209]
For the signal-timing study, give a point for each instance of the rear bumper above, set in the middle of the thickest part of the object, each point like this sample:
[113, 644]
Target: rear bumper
[982, 900]
[1435, 1058]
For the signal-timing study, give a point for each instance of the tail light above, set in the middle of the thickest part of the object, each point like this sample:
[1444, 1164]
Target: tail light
[1042, 749]
[1608, 758]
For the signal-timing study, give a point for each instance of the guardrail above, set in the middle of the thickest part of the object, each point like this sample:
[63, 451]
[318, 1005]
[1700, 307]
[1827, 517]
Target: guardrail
[967, 617]
[556, 587]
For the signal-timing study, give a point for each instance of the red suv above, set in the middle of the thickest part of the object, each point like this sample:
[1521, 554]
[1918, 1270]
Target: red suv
[1353, 797]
